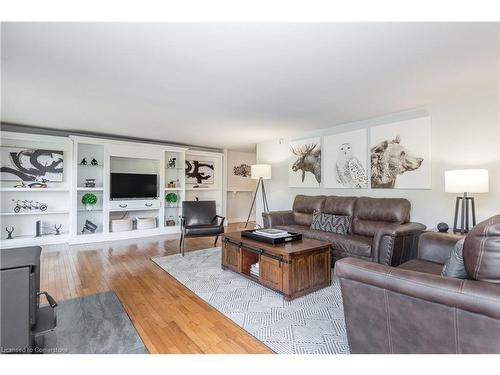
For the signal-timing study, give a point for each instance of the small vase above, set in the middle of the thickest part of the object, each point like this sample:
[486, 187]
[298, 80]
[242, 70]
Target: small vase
[88, 207]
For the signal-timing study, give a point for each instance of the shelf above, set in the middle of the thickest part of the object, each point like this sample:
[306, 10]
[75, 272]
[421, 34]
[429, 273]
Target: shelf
[79, 233]
[174, 169]
[92, 210]
[202, 189]
[35, 189]
[34, 213]
[90, 189]
[134, 209]
[23, 238]
[167, 207]
[240, 190]
[172, 227]
[176, 189]
[90, 165]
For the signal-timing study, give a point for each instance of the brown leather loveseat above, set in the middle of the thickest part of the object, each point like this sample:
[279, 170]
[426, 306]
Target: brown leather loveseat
[413, 309]
[380, 227]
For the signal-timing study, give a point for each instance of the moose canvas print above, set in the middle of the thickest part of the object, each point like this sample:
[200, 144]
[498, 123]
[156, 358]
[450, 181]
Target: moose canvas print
[304, 169]
[400, 155]
[31, 164]
[345, 158]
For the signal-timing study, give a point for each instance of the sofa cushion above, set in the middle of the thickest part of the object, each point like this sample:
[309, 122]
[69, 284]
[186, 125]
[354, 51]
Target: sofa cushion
[339, 205]
[482, 251]
[371, 213]
[293, 228]
[339, 224]
[347, 244]
[304, 206]
[454, 266]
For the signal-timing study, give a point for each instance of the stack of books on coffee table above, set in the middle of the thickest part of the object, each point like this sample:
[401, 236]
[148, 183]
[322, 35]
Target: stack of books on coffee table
[271, 233]
[254, 270]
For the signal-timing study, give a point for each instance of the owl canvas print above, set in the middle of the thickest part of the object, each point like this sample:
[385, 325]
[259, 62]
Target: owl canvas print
[345, 158]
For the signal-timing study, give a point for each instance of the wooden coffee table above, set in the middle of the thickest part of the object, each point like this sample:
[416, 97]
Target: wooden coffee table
[292, 269]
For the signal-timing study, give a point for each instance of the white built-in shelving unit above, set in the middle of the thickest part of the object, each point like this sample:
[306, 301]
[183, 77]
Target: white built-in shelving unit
[64, 199]
[57, 196]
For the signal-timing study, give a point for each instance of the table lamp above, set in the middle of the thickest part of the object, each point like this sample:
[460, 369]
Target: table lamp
[261, 172]
[465, 181]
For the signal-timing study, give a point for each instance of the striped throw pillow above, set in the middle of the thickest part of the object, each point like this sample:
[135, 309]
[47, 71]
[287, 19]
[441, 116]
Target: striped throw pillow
[339, 224]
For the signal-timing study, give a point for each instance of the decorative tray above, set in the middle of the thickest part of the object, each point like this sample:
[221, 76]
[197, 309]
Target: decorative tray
[257, 237]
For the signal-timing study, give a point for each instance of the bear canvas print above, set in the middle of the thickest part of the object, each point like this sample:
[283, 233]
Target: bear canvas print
[400, 155]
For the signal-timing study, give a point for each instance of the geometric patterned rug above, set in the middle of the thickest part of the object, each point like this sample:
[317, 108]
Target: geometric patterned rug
[313, 324]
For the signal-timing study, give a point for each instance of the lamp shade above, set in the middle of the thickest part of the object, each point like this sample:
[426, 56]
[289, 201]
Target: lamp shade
[261, 170]
[466, 181]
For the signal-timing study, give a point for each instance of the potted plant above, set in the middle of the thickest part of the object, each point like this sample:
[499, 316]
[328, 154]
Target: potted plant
[171, 198]
[89, 200]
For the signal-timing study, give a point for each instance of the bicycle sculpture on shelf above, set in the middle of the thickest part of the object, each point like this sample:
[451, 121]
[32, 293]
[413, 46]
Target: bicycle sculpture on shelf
[28, 205]
[34, 185]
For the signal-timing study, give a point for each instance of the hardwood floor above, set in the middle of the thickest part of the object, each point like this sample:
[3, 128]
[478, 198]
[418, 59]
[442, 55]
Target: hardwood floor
[167, 315]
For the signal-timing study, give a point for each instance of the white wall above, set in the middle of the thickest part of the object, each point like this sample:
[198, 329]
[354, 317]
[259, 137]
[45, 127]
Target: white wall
[239, 189]
[465, 134]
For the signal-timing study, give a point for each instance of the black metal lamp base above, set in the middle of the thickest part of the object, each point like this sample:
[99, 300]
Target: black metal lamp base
[265, 206]
[465, 204]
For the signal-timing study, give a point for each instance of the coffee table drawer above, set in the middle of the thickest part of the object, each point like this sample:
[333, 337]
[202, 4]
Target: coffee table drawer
[271, 272]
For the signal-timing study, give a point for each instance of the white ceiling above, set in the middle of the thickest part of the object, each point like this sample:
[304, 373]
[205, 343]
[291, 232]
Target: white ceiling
[233, 85]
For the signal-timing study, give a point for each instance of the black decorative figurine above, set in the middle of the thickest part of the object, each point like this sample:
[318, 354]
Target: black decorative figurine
[58, 229]
[9, 233]
[94, 162]
[89, 226]
[83, 162]
[90, 182]
[38, 228]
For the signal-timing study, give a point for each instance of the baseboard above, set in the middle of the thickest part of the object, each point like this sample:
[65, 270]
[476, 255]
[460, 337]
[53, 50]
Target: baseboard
[239, 219]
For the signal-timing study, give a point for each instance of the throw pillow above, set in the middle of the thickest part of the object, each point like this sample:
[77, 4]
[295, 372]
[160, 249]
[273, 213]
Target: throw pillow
[454, 266]
[339, 224]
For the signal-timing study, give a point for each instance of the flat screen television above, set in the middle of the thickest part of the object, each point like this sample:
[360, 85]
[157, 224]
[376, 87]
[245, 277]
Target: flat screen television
[133, 185]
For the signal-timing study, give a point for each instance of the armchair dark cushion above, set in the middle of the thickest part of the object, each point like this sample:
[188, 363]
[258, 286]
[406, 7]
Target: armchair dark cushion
[200, 219]
[199, 213]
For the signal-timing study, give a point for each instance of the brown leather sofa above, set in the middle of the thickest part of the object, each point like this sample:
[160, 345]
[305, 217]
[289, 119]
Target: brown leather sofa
[413, 309]
[380, 229]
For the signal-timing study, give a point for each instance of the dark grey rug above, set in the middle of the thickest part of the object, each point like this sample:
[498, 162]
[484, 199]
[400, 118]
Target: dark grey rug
[92, 325]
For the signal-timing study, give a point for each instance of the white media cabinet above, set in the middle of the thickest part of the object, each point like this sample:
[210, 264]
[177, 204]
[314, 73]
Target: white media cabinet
[64, 198]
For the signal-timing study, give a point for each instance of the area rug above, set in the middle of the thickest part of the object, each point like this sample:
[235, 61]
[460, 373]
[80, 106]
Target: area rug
[92, 325]
[313, 324]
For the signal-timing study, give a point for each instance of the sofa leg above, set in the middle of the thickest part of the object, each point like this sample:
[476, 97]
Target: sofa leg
[215, 242]
[183, 245]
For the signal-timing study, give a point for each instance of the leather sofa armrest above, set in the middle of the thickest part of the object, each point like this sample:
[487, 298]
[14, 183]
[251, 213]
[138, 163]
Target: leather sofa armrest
[436, 247]
[474, 296]
[386, 242]
[274, 218]
[406, 229]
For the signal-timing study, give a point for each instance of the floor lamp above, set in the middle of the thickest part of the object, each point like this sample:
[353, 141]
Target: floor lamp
[261, 172]
[464, 182]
